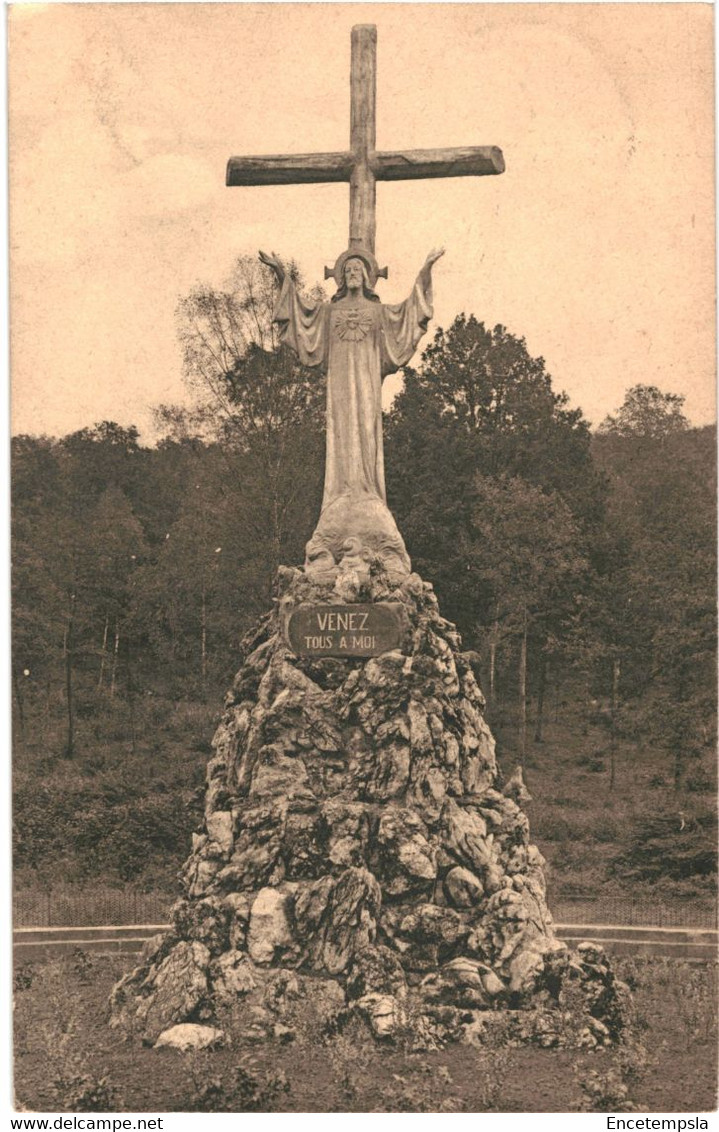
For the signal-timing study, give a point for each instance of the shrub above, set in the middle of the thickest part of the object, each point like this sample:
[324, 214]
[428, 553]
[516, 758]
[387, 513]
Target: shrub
[422, 1088]
[604, 1090]
[23, 977]
[348, 1055]
[82, 964]
[77, 1087]
[608, 1088]
[84, 1092]
[245, 1089]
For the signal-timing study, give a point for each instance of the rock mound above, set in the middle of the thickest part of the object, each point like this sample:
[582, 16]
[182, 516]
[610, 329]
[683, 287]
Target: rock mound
[355, 832]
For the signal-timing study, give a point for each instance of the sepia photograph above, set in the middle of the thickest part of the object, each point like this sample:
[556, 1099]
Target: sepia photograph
[363, 559]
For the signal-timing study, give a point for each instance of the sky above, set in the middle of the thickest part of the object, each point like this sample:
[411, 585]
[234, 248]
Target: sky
[596, 245]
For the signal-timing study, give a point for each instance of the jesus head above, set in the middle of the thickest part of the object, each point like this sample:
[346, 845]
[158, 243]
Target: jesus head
[355, 276]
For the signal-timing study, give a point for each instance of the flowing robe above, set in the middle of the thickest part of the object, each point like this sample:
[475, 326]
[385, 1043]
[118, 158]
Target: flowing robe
[357, 342]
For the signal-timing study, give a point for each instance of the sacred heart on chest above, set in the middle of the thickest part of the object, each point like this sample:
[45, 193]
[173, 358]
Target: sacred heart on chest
[352, 324]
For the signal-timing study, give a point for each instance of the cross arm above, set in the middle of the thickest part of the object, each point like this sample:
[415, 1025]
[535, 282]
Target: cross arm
[417, 164]
[295, 169]
[408, 165]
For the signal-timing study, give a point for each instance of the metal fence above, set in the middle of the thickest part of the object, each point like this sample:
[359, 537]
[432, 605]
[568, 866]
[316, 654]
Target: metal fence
[94, 907]
[630, 911]
[89, 907]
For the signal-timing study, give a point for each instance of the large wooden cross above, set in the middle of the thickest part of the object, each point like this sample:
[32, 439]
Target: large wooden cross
[361, 165]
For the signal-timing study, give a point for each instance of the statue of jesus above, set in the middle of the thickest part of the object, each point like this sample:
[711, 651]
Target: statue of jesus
[357, 341]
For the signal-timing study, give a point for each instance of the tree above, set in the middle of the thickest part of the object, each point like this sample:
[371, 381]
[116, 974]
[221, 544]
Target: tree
[647, 412]
[528, 559]
[75, 542]
[193, 600]
[39, 566]
[488, 382]
[250, 388]
[93, 459]
[479, 404]
[115, 547]
[659, 585]
[262, 407]
[217, 326]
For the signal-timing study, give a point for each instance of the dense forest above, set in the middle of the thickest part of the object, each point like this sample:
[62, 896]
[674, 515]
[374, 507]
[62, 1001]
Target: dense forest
[579, 566]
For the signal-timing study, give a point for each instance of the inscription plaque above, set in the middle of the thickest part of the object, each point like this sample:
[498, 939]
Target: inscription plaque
[346, 630]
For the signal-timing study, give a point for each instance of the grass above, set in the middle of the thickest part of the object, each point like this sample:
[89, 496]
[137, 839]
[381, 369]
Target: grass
[581, 825]
[119, 811]
[68, 1059]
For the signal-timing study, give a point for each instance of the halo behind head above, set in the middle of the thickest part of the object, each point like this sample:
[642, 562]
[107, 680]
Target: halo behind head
[373, 271]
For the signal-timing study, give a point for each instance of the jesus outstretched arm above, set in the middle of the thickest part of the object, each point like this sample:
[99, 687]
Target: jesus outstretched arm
[404, 323]
[302, 326]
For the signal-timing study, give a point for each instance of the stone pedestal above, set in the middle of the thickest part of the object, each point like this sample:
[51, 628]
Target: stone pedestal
[356, 834]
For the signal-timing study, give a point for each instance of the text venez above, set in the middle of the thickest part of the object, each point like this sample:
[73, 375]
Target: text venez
[339, 622]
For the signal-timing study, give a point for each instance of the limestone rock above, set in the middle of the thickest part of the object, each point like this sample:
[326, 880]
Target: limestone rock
[524, 970]
[269, 931]
[491, 983]
[282, 987]
[256, 855]
[219, 830]
[420, 736]
[328, 1001]
[462, 888]
[310, 912]
[515, 788]
[408, 860]
[276, 774]
[238, 908]
[346, 832]
[465, 838]
[156, 948]
[352, 918]
[604, 996]
[383, 1012]
[188, 1036]
[427, 788]
[198, 875]
[376, 970]
[232, 977]
[207, 921]
[458, 983]
[174, 990]
[430, 923]
[391, 771]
